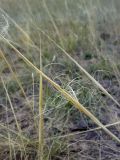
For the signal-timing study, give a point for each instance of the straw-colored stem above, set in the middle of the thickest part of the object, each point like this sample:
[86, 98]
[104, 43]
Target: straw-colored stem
[41, 116]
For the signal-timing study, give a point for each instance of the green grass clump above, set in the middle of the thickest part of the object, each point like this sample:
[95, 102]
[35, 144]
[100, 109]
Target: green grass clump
[52, 63]
[104, 66]
[12, 86]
